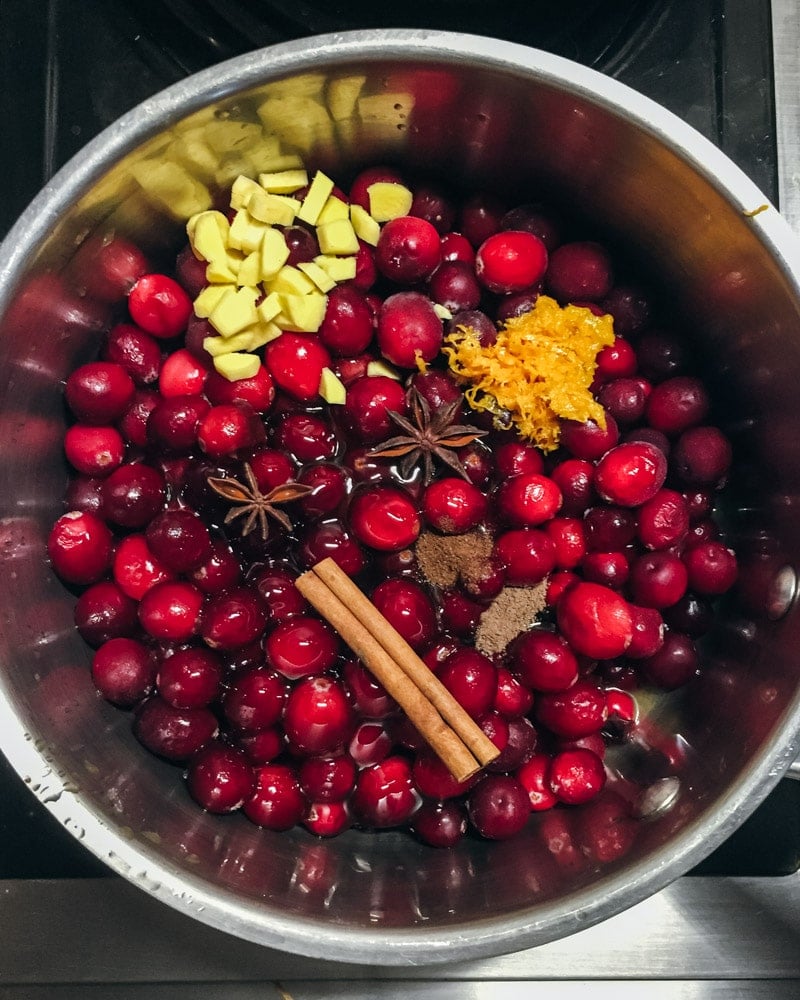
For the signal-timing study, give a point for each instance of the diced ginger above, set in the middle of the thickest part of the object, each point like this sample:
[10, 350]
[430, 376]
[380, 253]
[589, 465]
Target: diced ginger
[366, 228]
[242, 190]
[250, 270]
[208, 234]
[389, 200]
[234, 312]
[339, 268]
[263, 333]
[283, 181]
[276, 162]
[224, 270]
[331, 388]
[246, 232]
[375, 368]
[321, 279]
[269, 307]
[237, 366]
[313, 203]
[273, 209]
[442, 311]
[333, 209]
[337, 238]
[274, 253]
[216, 346]
[209, 298]
[302, 313]
[291, 281]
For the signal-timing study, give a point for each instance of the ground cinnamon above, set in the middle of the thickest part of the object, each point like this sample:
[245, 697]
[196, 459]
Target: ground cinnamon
[446, 559]
[513, 611]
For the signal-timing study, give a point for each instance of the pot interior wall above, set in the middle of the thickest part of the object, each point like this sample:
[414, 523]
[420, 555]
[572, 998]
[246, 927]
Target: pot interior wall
[475, 127]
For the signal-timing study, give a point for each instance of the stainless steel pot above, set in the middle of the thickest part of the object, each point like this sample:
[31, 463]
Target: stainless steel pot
[483, 114]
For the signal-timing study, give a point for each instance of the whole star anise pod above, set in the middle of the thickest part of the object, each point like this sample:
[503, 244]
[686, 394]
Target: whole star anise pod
[427, 436]
[253, 505]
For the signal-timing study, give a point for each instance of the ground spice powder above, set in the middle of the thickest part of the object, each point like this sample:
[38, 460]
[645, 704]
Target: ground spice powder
[513, 611]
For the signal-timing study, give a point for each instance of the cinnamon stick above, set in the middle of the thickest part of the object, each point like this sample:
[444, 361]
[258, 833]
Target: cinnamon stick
[404, 656]
[445, 743]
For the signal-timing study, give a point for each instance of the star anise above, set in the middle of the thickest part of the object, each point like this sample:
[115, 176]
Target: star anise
[253, 505]
[427, 436]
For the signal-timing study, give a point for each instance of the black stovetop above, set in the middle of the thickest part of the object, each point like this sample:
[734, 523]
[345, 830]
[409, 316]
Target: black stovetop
[69, 68]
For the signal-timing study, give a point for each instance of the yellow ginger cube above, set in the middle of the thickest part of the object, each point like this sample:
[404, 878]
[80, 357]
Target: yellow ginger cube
[339, 268]
[273, 209]
[333, 209]
[291, 281]
[303, 313]
[331, 388]
[234, 312]
[274, 253]
[314, 201]
[242, 190]
[209, 298]
[237, 366]
[283, 181]
[263, 333]
[246, 232]
[321, 279]
[217, 346]
[269, 307]
[366, 228]
[388, 200]
[337, 238]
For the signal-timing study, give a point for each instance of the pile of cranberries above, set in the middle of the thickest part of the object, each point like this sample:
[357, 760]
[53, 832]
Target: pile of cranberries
[200, 631]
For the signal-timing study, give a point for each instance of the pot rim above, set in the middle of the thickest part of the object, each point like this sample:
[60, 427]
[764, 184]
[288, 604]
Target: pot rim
[224, 910]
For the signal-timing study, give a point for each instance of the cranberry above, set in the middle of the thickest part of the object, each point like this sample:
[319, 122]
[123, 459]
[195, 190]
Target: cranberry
[170, 611]
[229, 428]
[123, 671]
[409, 331]
[691, 614]
[558, 583]
[702, 456]
[534, 219]
[159, 305]
[459, 614]
[675, 663]
[327, 779]
[277, 802]
[385, 794]
[262, 746]
[481, 216]
[608, 568]
[471, 678]
[518, 304]
[370, 743]
[133, 495]
[527, 554]
[80, 547]
[255, 700]
[173, 424]
[133, 422]
[433, 779]
[589, 440]
[407, 607]
[438, 653]
[179, 539]
[330, 540]
[368, 696]
[327, 819]
[408, 250]
[630, 307]
[579, 271]
[579, 711]
[498, 807]
[575, 478]
[528, 500]
[677, 404]
[440, 824]
[510, 261]
[700, 503]
[434, 206]
[576, 776]
[534, 776]
[648, 632]
[456, 247]
[317, 718]
[219, 571]
[190, 678]
[257, 391]
[453, 506]
[107, 266]
[220, 778]
[173, 733]
[519, 746]
[438, 389]
[630, 474]
[609, 528]
[478, 322]
[99, 392]
[367, 404]
[663, 520]
[544, 661]
[307, 437]
[301, 646]
[661, 355]
[295, 362]
[658, 579]
[182, 375]
[104, 612]
[624, 399]
[94, 451]
[616, 361]
[511, 698]
[567, 534]
[384, 518]
[347, 327]
[711, 568]
[595, 621]
[271, 468]
[302, 244]
[454, 286]
[190, 271]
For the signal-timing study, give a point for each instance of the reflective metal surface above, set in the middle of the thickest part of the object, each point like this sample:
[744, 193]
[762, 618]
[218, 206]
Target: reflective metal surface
[476, 111]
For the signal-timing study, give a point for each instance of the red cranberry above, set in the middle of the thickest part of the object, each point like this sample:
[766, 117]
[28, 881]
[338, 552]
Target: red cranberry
[691, 614]
[133, 422]
[438, 653]
[481, 216]
[99, 392]
[327, 819]
[301, 646]
[456, 247]
[330, 485]
[609, 529]
[271, 468]
[229, 428]
[544, 661]
[85, 494]
[575, 478]
[107, 266]
[282, 599]
[630, 307]
[534, 219]
[407, 607]
[255, 700]
[630, 474]
[219, 571]
[190, 678]
[190, 271]
[576, 776]
[675, 663]
[327, 779]
[478, 322]
[173, 733]
[511, 306]
[133, 495]
[702, 456]
[648, 632]
[661, 354]
[595, 621]
[104, 612]
[677, 404]
[385, 795]
[94, 451]
[440, 824]
[459, 614]
[220, 778]
[438, 389]
[257, 391]
[368, 400]
[179, 539]
[516, 458]
[624, 399]
[317, 718]
[233, 618]
[173, 424]
[453, 285]
[277, 802]
[510, 261]
[534, 776]
[498, 807]
[579, 271]
[608, 568]
[370, 743]
[658, 579]
[123, 671]
[368, 696]
[384, 518]
[409, 330]
[408, 250]
[80, 547]
[711, 568]
[615, 361]
[471, 678]
[528, 499]
[331, 540]
[589, 440]
[527, 554]
[663, 520]
[558, 583]
[566, 533]
[511, 699]
[295, 362]
[159, 305]
[579, 711]
[347, 327]
[434, 206]
[262, 746]
[519, 746]
[433, 779]
[307, 437]
[182, 374]
[453, 506]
